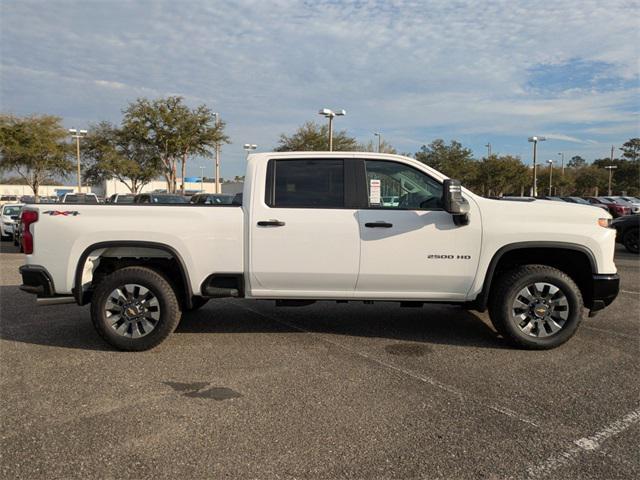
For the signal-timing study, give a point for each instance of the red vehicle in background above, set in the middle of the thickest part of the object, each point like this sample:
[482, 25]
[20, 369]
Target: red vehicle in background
[615, 209]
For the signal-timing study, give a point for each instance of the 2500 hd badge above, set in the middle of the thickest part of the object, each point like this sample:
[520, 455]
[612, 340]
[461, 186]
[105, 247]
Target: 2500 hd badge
[449, 257]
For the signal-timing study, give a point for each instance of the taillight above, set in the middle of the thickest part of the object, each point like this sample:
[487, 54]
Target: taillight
[27, 218]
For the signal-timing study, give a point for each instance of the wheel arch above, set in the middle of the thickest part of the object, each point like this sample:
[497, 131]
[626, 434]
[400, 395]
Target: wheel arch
[183, 286]
[575, 260]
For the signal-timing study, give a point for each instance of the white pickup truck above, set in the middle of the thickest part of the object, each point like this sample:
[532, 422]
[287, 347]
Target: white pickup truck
[313, 226]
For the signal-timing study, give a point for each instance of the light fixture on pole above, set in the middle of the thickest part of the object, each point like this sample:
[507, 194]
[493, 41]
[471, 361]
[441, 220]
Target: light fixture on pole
[202, 179]
[327, 113]
[611, 168]
[535, 140]
[217, 164]
[550, 162]
[249, 147]
[377, 134]
[78, 134]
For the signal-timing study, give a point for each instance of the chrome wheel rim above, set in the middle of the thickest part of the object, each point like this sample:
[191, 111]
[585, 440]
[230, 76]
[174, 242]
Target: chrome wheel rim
[540, 310]
[132, 310]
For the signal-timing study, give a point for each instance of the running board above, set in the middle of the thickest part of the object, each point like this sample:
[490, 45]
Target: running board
[43, 302]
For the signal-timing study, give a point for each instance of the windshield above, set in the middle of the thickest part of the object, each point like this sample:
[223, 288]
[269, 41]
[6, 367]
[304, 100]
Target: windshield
[14, 210]
[124, 199]
[168, 199]
[80, 199]
[580, 200]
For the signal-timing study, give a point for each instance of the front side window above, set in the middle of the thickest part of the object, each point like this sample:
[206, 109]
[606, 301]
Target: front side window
[392, 185]
[307, 183]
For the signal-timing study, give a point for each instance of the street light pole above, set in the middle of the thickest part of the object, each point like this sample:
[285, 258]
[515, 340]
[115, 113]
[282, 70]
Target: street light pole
[611, 168]
[550, 162]
[488, 145]
[327, 113]
[202, 179]
[562, 164]
[78, 134]
[217, 159]
[535, 140]
[377, 134]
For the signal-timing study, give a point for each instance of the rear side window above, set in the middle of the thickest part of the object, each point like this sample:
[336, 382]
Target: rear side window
[306, 183]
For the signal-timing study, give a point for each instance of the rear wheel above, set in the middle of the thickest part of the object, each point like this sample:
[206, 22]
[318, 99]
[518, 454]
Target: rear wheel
[536, 306]
[630, 240]
[135, 308]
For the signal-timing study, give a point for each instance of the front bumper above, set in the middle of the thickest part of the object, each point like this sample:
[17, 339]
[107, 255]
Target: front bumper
[36, 280]
[605, 290]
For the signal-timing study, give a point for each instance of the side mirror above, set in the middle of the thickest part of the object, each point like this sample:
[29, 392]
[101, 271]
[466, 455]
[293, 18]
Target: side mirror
[454, 202]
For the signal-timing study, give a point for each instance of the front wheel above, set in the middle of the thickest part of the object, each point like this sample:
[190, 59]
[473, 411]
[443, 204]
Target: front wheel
[630, 240]
[536, 306]
[135, 308]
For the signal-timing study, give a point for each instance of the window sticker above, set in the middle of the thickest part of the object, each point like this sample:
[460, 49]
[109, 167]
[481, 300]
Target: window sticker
[374, 191]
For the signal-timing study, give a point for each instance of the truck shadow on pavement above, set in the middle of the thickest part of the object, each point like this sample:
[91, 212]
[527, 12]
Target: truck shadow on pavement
[69, 326]
[432, 324]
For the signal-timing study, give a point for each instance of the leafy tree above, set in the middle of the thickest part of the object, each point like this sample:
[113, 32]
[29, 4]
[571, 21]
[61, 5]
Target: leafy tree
[35, 148]
[372, 146]
[313, 137]
[503, 175]
[112, 152]
[590, 180]
[453, 160]
[172, 131]
[576, 162]
[631, 149]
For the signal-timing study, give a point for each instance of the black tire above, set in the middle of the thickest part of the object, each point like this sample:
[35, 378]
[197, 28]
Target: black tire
[630, 240]
[169, 308]
[507, 289]
[197, 303]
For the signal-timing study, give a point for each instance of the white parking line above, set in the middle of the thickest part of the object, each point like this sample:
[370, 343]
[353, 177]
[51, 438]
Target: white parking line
[409, 373]
[583, 445]
[629, 291]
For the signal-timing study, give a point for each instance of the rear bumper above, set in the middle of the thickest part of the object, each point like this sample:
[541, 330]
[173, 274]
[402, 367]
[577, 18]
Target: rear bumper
[36, 280]
[605, 290]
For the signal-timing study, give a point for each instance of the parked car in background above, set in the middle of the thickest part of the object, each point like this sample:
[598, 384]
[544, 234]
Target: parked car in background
[8, 215]
[17, 232]
[390, 201]
[582, 201]
[631, 199]
[159, 198]
[79, 198]
[121, 198]
[627, 229]
[633, 205]
[615, 209]
[548, 197]
[212, 199]
[8, 199]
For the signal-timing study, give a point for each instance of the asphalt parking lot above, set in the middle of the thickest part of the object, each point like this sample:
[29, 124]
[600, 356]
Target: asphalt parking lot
[248, 390]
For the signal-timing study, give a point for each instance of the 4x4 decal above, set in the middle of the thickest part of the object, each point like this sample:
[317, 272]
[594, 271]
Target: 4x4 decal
[66, 213]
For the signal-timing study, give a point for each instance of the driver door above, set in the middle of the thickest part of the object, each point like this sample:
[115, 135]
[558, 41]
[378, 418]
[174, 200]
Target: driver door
[410, 247]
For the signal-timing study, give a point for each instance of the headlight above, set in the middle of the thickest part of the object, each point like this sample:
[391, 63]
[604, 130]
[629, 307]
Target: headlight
[604, 222]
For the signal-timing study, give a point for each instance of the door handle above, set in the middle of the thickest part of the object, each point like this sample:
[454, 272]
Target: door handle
[378, 225]
[270, 223]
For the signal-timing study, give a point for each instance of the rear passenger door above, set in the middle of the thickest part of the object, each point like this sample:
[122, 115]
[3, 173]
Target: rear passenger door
[304, 233]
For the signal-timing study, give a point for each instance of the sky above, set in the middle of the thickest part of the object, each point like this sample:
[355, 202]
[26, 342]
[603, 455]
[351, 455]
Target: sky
[475, 71]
